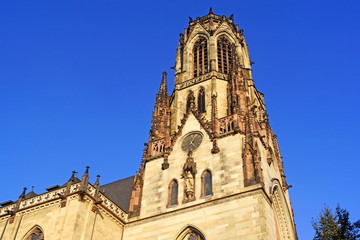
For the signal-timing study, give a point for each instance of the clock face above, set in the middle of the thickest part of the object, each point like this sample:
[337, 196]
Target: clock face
[191, 141]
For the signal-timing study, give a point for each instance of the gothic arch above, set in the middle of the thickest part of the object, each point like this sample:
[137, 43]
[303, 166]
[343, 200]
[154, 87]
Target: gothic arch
[194, 38]
[240, 49]
[173, 193]
[226, 52]
[226, 33]
[190, 232]
[200, 56]
[187, 54]
[35, 233]
[283, 218]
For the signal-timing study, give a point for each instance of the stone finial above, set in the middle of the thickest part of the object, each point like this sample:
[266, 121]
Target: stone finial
[161, 116]
[97, 182]
[211, 11]
[17, 206]
[73, 176]
[97, 190]
[22, 195]
[85, 178]
[163, 85]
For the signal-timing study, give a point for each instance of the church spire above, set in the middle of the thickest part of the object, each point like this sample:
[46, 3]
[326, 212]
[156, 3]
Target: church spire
[161, 115]
[163, 85]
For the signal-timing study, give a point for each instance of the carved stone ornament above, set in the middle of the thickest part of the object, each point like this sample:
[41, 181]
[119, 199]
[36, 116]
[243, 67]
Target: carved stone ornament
[189, 171]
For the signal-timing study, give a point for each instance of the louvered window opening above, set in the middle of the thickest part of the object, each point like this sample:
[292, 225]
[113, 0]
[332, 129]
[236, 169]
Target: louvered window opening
[200, 57]
[225, 55]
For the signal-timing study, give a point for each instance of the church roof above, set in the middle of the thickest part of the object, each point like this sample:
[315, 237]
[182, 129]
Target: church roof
[30, 195]
[119, 192]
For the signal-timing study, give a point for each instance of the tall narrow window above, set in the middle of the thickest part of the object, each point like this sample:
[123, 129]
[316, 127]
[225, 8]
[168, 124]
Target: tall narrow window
[225, 54]
[207, 184]
[200, 57]
[201, 100]
[173, 193]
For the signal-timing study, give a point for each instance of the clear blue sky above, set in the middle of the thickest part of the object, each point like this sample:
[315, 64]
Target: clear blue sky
[78, 81]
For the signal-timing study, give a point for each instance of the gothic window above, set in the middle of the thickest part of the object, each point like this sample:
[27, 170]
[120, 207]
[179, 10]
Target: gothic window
[35, 234]
[200, 57]
[206, 184]
[173, 193]
[225, 54]
[190, 233]
[201, 100]
[195, 236]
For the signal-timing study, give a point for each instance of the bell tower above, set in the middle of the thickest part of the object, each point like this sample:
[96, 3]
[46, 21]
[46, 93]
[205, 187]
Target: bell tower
[212, 166]
[209, 50]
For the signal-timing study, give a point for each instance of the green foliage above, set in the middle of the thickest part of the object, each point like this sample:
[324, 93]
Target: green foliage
[335, 226]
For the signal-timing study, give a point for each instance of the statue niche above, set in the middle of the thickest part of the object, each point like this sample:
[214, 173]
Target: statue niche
[188, 174]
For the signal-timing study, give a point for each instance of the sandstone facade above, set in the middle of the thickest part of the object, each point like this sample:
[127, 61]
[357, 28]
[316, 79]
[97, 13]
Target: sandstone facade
[211, 169]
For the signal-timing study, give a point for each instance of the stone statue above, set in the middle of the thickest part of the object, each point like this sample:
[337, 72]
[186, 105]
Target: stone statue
[189, 185]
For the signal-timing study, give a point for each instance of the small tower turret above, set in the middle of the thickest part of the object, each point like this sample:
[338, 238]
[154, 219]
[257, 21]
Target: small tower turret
[161, 115]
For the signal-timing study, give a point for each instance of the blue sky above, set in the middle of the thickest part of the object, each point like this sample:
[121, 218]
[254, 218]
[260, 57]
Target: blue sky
[78, 81]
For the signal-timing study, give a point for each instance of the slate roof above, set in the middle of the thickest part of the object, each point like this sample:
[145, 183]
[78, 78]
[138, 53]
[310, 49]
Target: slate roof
[30, 195]
[119, 192]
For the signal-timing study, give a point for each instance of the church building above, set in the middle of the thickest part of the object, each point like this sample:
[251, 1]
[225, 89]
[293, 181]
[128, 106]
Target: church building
[211, 169]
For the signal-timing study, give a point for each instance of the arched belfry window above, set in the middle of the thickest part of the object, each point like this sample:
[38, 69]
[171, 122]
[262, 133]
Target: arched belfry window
[173, 193]
[206, 183]
[201, 100]
[225, 54]
[200, 53]
[35, 234]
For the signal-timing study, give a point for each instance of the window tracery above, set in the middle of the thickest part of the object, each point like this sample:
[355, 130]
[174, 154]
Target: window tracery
[191, 233]
[200, 54]
[225, 54]
[35, 234]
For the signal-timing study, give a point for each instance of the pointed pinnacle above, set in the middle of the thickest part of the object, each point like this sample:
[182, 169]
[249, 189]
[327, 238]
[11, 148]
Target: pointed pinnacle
[87, 170]
[73, 176]
[211, 11]
[163, 85]
[97, 182]
[23, 193]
